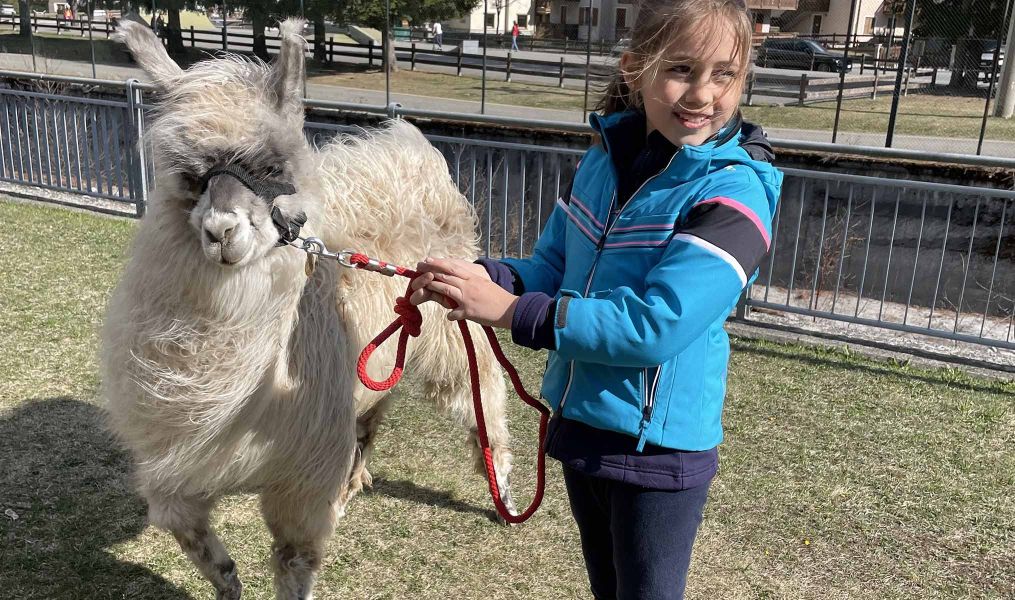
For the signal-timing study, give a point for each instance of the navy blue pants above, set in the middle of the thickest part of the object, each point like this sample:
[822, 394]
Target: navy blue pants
[636, 541]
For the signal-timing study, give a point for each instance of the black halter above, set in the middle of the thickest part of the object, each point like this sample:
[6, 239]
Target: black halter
[266, 189]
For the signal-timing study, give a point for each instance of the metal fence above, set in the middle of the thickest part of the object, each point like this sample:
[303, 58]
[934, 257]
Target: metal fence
[894, 254]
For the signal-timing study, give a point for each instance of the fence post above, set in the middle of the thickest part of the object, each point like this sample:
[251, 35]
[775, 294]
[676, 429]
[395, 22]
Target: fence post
[874, 92]
[933, 77]
[370, 56]
[803, 89]
[508, 76]
[863, 60]
[750, 88]
[561, 82]
[138, 162]
[532, 43]
[459, 59]
[225, 42]
[412, 57]
[35, 23]
[905, 84]
[331, 50]
[192, 42]
[742, 309]
[105, 27]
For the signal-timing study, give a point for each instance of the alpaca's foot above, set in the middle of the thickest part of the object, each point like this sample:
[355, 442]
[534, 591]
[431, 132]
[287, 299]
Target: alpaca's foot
[233, 592]
[504, 487]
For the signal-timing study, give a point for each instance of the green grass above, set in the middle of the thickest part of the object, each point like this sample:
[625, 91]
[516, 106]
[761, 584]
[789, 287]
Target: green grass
[840, 477]
[440, 85]
[929, 115]
[919, 114]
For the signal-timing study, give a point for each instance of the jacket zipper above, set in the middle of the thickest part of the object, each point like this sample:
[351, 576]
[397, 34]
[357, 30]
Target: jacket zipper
[649, 399]
[611, 220]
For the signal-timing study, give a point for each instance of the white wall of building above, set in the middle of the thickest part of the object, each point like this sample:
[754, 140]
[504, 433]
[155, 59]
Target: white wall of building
[504, 12]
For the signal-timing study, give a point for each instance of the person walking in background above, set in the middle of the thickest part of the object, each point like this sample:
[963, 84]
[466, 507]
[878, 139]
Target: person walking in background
[514, 36]
[438, 35]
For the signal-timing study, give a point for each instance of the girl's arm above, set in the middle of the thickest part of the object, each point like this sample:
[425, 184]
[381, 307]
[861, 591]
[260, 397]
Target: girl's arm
[706, 266]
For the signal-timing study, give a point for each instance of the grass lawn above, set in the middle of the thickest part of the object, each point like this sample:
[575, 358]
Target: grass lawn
[440, 85]
[841, 477]
[919, 114]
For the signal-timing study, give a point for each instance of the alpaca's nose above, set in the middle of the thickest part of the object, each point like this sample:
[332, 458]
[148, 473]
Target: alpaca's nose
[218, 234]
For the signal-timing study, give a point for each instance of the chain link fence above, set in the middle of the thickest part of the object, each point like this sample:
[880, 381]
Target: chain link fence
[917, 74]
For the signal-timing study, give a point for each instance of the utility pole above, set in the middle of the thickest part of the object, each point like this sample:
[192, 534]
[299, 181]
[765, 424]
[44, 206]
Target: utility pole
[1005, 104]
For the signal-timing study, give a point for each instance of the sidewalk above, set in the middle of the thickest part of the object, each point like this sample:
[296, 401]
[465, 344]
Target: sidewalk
[377, 98]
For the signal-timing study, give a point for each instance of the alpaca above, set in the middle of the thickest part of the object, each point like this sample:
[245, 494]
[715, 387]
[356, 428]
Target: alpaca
[226, 367]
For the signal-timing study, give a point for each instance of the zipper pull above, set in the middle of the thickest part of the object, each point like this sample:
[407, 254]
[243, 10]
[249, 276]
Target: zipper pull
[646, 420]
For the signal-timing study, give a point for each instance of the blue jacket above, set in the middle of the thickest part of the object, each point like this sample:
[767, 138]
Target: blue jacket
[644, 290]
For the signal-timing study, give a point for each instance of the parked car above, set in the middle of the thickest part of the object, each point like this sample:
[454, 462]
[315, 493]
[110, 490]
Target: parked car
[793, 53]
[987, 60]
[6, 10]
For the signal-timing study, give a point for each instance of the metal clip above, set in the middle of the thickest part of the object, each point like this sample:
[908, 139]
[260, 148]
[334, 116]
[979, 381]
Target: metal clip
[316, 247]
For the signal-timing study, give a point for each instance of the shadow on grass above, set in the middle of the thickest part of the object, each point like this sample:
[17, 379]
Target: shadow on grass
[67, 482]
[409, 491]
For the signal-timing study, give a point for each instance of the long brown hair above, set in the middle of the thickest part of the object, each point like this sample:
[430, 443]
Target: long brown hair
[659, 24]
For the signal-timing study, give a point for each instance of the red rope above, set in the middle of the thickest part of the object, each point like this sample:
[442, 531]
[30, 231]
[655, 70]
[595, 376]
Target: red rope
[409, 321]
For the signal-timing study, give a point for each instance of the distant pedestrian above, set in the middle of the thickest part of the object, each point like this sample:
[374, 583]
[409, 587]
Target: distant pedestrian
[438, 35]
[514, 36]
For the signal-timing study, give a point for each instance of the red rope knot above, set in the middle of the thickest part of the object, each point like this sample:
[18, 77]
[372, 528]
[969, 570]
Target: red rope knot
[409, 315]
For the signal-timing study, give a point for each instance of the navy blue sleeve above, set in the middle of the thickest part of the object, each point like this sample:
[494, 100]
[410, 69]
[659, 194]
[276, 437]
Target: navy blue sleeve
[532, 323]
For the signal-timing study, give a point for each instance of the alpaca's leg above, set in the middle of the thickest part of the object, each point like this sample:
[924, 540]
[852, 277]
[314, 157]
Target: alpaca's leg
[300, 525]
[448, 386]
[187, 520]
[366, 430]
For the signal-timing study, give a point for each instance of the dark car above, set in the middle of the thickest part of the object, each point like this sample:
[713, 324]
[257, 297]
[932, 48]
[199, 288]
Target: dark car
[792, 53]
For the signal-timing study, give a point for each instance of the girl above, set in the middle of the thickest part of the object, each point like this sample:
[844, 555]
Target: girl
[666, 222]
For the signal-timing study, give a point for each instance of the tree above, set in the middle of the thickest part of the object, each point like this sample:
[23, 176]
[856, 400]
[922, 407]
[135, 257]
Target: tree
[371, 14]
[25, 18]
[966, 24]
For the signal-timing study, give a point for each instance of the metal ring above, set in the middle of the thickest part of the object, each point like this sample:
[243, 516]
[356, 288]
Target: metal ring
[345, 258]
[314, 245]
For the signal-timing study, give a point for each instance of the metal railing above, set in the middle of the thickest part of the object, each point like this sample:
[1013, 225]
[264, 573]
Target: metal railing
[899, 255]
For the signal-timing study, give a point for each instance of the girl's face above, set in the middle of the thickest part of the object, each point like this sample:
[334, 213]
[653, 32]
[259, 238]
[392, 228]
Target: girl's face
[690, 97]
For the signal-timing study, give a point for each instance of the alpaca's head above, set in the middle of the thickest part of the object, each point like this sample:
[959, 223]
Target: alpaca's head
[227, 138]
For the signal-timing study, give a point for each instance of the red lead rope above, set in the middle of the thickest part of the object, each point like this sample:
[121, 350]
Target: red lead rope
[409, 321]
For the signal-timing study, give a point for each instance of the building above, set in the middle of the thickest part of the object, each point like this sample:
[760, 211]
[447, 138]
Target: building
[874, 18]
[612, 19]
[500, 16]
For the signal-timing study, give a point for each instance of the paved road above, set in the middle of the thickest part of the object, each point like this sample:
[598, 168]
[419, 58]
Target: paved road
[377, 98]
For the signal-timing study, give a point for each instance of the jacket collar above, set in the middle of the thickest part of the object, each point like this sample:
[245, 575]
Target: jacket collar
[620, 130]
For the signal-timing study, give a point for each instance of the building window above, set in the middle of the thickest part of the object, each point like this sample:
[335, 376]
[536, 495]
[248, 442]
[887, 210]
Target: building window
[621, 18]
[595, 17]
[868, 25]
[583, 16]
[490, 20]
[563, 14]
[523, 20]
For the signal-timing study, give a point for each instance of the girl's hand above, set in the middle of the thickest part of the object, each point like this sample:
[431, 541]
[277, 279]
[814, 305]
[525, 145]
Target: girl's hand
[466, 290]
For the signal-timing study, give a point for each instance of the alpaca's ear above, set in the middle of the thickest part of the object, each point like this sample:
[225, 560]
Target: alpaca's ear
[287, 72]
[148, 51]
